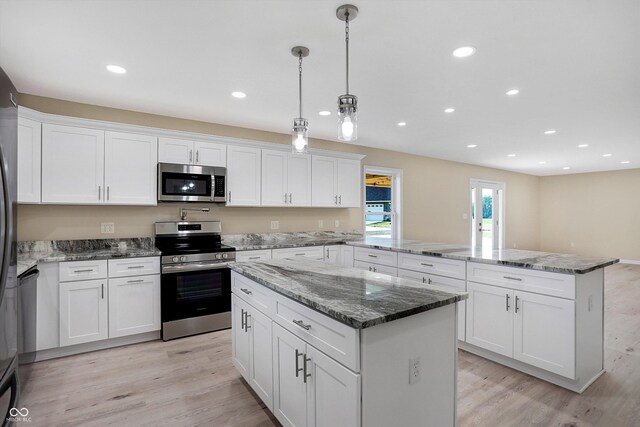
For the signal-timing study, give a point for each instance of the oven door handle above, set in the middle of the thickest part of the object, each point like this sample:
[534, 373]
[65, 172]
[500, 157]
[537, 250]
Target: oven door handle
[194, 266]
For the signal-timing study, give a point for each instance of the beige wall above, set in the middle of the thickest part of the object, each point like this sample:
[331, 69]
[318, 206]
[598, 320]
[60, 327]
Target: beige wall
[435, 193]
[591, 214]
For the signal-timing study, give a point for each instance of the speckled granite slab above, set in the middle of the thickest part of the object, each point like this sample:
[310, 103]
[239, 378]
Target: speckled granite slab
[245, 242]
[32, 252]
[534, 260]
[358, 298]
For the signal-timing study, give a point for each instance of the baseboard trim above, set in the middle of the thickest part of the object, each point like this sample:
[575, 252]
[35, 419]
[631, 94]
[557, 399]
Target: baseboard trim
[630, 261]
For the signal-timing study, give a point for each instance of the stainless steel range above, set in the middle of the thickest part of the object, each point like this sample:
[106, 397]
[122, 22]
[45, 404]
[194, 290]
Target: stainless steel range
[196, 280]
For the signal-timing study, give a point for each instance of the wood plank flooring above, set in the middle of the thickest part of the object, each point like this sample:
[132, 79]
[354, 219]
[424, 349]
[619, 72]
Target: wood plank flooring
[191, 382]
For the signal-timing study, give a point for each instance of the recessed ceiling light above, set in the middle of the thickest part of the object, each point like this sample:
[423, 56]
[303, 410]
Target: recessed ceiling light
[402, 123]
[512, 92]
[542, 162]
[511, 155]
[449, 110]
[116, 69]
[566, 167]
[238, 94]
[472, 145]
[625, 162]
[464, 51]
[325, 113]
[607, 155]
[549, 132]
[583, 145]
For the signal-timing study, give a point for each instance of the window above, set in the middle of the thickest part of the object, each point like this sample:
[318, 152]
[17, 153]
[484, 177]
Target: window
[382, 202]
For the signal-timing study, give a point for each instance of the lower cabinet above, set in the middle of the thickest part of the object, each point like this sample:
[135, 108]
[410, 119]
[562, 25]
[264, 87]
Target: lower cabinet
[312, 252]
[83, 312]
[134, 305]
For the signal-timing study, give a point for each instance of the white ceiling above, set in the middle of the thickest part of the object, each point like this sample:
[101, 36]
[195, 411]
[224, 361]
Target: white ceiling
[576, 63]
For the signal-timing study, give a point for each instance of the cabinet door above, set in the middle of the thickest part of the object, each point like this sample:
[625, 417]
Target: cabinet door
[333, 254]
[348, 181]
[72, 165]
[274, 178]
[243, 176]
[29, 158]
[347, 256]
[323, 181]
[171, 150]
[333, 393]
[130, 168]
[134, 305]
[490, 318]
[48, 307]
[239, 337]
[261, 356]
[210, 154]
[299, 179]
[289, 388]
[83, 312]
[545, 332]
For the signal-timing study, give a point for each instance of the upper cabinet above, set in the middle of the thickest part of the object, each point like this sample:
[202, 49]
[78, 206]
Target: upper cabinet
[29, 158]
[335, 182]
[286, 179]
[181, 151]
[243, 175]
[78, 167]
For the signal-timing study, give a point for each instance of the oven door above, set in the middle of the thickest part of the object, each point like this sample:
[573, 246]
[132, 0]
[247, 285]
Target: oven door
[188, 292]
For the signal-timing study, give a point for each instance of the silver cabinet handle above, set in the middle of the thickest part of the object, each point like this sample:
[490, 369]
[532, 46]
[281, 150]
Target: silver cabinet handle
[229, 196]
[89, 270]
[197, 155]
[190, 156]
[335, 200]
[302, 325]
[247, 326]
[102, 289]
[305, 375]
[429, 281]
[374, 269]
[426, 265]
[298, 368]
[302, 254]
[340, 200]
[372, 256]
[513, 278]
[99, 192]
[327, 253]
[424, 280]
[369, 268]
[242, 318]
[285, 198]
[290, 198]
[507, 302]
[254, 257]
[108, 192]
[246, 291]
[135, 266]
[135, 281]
[517, 299]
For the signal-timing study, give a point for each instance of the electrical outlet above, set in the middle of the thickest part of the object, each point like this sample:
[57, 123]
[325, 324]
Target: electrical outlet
[320, 223]
[107, 228]
[573, 245]
[337, 223]
[414, 370]
[275, 225]
[465, 216]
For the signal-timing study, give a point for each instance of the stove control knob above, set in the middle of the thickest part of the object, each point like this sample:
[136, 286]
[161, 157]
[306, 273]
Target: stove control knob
[218, 256]
[183, 258]
[224, 256]
[174, 259]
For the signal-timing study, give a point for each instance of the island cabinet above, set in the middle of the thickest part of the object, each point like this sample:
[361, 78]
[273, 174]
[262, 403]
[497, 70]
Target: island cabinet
[376, 260]
[544, 323]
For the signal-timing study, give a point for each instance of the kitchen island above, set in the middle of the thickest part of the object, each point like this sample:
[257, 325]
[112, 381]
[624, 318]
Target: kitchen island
[324, 345]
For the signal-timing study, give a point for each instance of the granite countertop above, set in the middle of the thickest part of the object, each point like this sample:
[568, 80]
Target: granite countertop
[534, 260]
[33, 252]
[358, 298]
[255, 241]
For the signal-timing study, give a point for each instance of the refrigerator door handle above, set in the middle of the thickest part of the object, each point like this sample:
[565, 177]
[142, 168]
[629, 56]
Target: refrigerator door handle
[5, 226]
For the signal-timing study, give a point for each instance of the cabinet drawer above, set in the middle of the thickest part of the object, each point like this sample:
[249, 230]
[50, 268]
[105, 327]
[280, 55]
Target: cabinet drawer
[337, 340]
[312, 252]
[445, 283]
[254, 293]
[539, 282]
[83, 270]
[376, 256]
[376, 268]
[259, 255]
[434, 265]
[124, 267]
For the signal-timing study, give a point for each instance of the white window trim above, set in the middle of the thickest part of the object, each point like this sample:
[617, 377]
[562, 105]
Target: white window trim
[497, 185]
[396, 197]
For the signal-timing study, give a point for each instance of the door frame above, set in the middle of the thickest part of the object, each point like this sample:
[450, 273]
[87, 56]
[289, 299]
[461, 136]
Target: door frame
[396, 197]
[497, 185]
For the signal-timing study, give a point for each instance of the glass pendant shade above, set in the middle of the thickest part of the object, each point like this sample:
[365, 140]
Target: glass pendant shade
[347, 118]
[300, 136]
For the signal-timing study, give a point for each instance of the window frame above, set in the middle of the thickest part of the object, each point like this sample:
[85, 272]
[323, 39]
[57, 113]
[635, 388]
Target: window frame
[396, 199]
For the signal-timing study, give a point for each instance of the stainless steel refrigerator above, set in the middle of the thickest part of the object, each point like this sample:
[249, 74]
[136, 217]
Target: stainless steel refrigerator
[9, 384]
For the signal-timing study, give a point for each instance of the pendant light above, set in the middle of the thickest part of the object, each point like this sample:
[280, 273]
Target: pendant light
[300, 132]
[347, 104]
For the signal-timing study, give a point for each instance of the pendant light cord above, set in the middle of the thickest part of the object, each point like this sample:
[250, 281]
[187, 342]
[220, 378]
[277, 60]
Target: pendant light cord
[300, 82]
[346, 39]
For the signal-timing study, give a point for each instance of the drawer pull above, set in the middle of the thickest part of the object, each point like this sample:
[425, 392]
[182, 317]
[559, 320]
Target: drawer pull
[298, 368]
[513, 278]
[302, 254]
[135, 281]
[246, 291]
[254, 257]
[426, 265]
[131, 267]
[372, 256]
[89, 270]
[302, 325]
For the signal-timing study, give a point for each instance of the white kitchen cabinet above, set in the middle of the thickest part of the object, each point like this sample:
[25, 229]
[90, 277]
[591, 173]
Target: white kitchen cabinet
[72, 165]
[243, 176]
[312, 252]
[289, 381]
[240, 338]
[254, 255]
[185, 152]
[130, 173]
[48, 307]
[134, 305]
[29, 160]
[83, 312]
[286, 179]
[490, 318]
[335, 182]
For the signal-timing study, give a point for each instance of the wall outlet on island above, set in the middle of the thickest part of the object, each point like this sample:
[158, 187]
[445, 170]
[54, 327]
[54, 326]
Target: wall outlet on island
[320, 223]
[107, 228]
[414, 370]
[275, 225]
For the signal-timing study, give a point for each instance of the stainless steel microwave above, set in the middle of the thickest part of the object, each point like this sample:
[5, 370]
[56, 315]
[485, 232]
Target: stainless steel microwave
[191, 183]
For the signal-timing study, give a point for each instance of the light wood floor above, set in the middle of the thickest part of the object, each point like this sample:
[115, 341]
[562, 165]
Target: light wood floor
[191, 381]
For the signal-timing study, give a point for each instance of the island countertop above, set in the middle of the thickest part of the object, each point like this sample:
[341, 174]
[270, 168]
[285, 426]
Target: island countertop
[358, 298]
[534, 260]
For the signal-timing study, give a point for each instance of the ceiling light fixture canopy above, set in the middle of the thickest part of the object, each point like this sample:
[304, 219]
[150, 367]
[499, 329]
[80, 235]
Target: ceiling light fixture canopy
[347, 103]
[300, 131]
